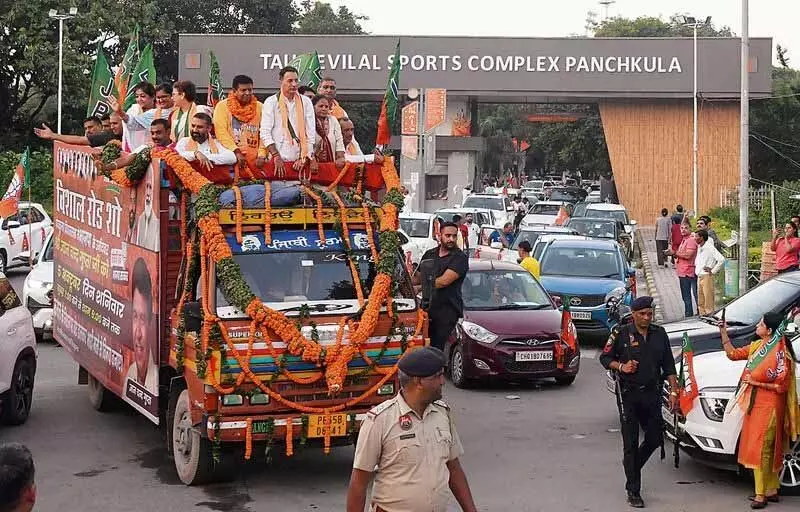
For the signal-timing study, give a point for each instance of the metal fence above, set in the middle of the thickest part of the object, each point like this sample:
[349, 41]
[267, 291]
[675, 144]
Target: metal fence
[759, 197]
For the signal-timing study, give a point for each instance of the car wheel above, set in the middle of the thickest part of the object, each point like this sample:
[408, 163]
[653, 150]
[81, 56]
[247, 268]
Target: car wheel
[457, 370]
[101, 398]
[565, 381]
[789, 475]
[20, 396]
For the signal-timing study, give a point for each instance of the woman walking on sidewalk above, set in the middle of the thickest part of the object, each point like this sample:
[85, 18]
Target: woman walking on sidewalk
[786, 248]
[768, 397]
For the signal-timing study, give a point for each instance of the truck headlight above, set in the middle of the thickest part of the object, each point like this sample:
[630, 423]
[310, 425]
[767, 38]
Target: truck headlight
[714, 402]
[478, 333]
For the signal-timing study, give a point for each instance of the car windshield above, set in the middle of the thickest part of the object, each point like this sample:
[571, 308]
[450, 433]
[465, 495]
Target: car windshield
[580, 262]
[417, 228]
[309, 276]
[497, 289]
[529, 236]
[546, 209]
[593, 228]
[620, 215]
[489, 203]
[771, 295]
[565, 195]
[534, 184]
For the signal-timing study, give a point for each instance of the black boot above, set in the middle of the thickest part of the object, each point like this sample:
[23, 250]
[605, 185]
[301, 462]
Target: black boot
[635, 500]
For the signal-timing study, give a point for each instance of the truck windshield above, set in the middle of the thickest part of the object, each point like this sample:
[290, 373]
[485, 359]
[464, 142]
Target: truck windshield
[309, 276]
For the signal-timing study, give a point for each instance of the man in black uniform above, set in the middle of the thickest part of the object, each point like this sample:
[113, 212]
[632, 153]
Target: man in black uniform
[444, 269]
[640, 355]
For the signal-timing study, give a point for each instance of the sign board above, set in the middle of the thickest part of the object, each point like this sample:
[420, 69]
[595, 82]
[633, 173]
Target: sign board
[410, 119]
[435, 108]
[292, 215]
[106, 284]
[409, 146]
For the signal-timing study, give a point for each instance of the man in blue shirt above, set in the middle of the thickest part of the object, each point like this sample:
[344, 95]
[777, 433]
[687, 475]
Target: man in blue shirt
[506, 238]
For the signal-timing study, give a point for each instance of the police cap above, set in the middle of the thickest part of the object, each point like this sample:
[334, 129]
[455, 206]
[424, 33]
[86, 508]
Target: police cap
[422, 362]
[643, 302]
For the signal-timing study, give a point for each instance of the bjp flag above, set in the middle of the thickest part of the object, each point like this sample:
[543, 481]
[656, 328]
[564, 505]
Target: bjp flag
[10, 200]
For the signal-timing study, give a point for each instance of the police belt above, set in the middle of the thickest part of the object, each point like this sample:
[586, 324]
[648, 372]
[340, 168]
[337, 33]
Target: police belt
[629, 387]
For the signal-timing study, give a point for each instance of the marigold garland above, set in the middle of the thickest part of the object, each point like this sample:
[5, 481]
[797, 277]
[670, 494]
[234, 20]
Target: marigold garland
[318, 200]
[237, 192]
[289, 436]
[341, 175]
[248, 439]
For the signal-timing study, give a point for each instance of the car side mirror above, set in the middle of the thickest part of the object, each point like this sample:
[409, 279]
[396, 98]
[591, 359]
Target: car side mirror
[402, 238]
[557, 300]
[633, 223]
[11, 224]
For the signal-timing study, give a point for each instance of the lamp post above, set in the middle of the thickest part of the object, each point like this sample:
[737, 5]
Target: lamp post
[744, 150]
[53, 14]
[689, 21]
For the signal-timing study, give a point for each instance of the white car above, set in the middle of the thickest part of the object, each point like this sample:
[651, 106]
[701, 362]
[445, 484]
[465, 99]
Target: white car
[17, 356]
[710, 432]
[498, 203]
[22, 232]
[37, 292]
[418, 227]
[544, 213]
[610, 211]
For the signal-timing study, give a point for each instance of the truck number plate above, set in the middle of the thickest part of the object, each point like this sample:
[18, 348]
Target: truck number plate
[337, 425]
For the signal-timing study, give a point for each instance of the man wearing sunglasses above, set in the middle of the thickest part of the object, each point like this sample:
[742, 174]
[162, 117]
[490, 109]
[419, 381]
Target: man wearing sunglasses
[412, 442]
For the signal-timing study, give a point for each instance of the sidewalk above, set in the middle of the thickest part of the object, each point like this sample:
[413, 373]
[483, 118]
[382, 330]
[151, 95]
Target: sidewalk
[667, 293]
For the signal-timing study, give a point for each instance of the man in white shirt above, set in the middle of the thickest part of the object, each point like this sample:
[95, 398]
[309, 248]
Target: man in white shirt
[707, 262]
[148, 234]
[202, 147]
[352, 149]
[288, 127]
[474, 230]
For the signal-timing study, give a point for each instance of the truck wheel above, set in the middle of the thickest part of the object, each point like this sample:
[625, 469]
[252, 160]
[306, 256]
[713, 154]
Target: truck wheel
[194, 460]
[20, 396]
[101, 398]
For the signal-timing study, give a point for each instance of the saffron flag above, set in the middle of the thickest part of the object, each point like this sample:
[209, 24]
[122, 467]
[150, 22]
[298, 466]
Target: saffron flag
[687, 386]
[568, 333]
[562, 217]
[215, 93]
[102, 86]
[145, 71]
[125, 69]
[386, 120]
[308, 69]
[10, 200]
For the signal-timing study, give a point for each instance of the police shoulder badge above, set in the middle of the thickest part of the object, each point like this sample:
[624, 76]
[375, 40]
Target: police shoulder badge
[405, 422]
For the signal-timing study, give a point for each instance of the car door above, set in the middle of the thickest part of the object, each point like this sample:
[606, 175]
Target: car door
[16, 330]
[37, 231]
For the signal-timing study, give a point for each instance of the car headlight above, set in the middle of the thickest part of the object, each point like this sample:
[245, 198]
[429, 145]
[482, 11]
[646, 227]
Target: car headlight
[34, 283]
[478, 333]
[617, 293]
[713, 402]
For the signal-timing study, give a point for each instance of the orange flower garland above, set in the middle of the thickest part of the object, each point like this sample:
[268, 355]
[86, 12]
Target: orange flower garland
[370, 237]
[289, 436]
[237, 192]
[248, 439]
[341, 175]
[318, 200]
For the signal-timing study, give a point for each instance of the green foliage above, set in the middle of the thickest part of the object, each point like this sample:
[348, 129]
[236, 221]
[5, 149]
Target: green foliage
[41, 176]
[650, 26]
[320, 18]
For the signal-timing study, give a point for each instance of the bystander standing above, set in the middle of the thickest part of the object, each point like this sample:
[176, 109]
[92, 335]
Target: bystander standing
[685, 255]
[786, 248]
[707, 263]
[663, 232]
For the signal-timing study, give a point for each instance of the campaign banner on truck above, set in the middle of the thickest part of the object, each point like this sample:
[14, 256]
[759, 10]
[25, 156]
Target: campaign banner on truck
[106, 283]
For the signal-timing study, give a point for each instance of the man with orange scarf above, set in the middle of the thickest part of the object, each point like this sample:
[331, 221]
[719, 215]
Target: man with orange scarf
[237, 121]
[288, 128]
[768, 397]
[327, 88]
[203, 151]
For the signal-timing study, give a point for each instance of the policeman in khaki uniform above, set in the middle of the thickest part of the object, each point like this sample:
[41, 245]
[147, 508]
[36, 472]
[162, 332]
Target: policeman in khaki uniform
[411, 444]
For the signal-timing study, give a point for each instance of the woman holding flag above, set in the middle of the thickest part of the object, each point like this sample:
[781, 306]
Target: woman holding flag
[768, 397]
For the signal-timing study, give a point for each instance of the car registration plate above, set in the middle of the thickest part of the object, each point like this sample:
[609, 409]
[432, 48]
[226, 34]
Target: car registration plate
[337, 425]
[534, 355]
[581, 315]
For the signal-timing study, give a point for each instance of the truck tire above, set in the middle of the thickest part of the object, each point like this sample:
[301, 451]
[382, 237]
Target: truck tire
[17, 407]
[193, 455]
[101, 398]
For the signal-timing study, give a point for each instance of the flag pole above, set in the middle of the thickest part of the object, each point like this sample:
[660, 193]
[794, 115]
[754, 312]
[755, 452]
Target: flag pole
[30, 228]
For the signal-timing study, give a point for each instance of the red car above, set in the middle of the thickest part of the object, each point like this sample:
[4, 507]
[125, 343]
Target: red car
[509, 330]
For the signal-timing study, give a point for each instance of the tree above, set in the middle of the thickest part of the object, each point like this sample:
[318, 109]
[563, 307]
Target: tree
[320, 18]
[649, 26]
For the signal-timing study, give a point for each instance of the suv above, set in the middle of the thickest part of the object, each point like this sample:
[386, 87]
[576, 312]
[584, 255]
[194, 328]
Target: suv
[30, 221]
[17, 356]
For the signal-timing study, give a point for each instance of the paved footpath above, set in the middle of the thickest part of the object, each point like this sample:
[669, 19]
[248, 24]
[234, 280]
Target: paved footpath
[662, 282]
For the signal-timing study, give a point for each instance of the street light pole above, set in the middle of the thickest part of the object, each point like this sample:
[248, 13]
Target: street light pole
[53, 14]
[744, 151]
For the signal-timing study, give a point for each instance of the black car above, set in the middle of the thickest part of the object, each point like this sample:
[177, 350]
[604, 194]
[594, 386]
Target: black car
[780, 293]
[572, 195]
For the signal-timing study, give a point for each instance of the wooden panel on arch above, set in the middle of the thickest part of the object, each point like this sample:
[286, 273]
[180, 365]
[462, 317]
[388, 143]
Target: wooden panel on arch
[650, 147]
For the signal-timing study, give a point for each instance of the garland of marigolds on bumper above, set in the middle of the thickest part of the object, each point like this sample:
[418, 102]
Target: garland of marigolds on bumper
[238, 293]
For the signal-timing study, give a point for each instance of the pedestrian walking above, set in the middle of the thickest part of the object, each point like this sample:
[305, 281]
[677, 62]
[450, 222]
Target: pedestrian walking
[443, 268]
[786, 248]
[17, 485]
[706, 264]
[412, 442]
[767, 396]
[685, 256]
[663, 233]
[640, 355]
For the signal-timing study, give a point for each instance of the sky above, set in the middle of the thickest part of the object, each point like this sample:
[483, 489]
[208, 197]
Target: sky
[537, 18]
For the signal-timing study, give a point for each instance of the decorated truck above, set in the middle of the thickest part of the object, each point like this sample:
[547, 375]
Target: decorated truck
[241, 316]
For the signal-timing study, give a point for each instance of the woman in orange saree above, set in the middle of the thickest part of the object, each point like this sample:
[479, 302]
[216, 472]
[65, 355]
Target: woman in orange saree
[768, 396]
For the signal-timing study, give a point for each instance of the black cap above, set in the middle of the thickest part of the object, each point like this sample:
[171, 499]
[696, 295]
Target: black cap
[422, 362]
[642, 303]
